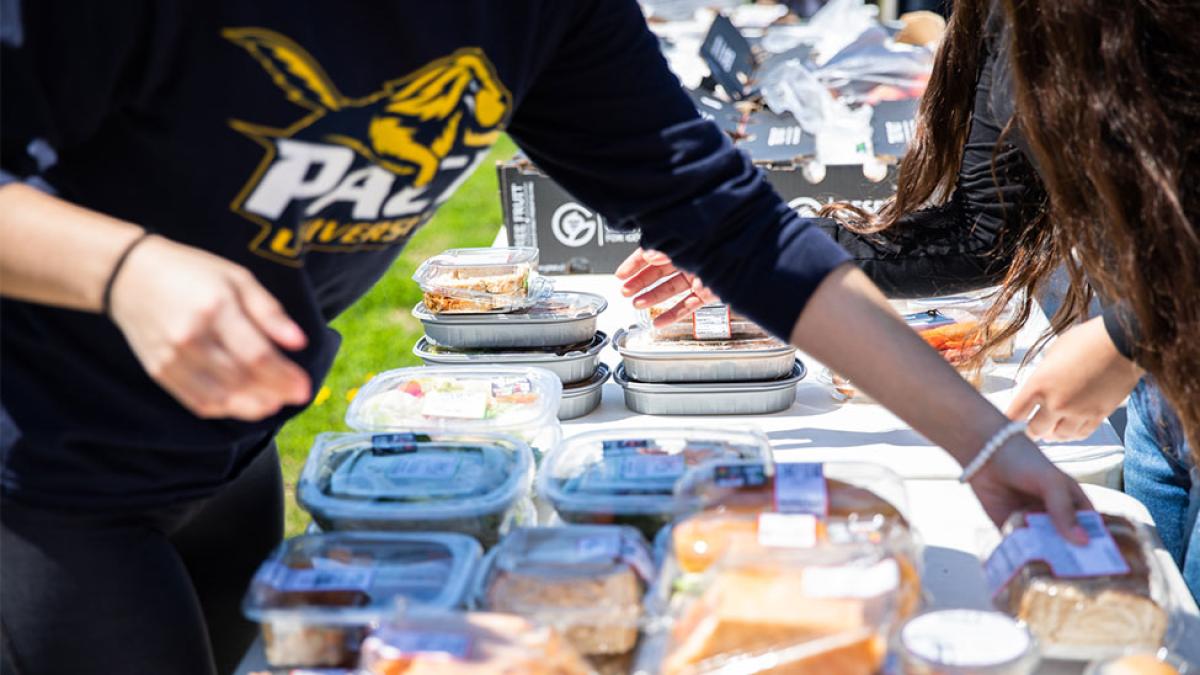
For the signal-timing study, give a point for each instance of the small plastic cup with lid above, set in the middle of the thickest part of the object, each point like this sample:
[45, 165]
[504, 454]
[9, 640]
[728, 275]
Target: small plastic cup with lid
[405, 481]
[482, 280]
[966, 642]
[317, 595]
[628, 476]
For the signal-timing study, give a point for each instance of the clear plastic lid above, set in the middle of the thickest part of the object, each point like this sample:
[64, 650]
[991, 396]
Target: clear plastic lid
[405, 476]
[635, 470]
[1082, 602]
[479, 398]
[587, 581]
[468, 643]
[821, 610]
[557, 307]
[966, 642]
[645, 341]
[356, 577]
[482, 280]
[428, 349]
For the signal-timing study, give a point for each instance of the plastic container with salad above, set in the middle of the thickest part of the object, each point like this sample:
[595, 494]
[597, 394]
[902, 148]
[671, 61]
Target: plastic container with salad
[474, 484]
[522, 402]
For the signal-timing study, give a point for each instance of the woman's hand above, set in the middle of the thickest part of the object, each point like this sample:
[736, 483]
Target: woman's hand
[642, 269]
[1080, 382]
[1019, 477]
[208, 332]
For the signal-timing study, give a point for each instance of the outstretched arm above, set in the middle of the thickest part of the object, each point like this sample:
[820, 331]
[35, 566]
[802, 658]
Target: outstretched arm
[609, 121]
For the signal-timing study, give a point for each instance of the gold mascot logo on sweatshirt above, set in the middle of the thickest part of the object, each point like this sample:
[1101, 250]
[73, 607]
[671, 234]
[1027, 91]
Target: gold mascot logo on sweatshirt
[451, 109]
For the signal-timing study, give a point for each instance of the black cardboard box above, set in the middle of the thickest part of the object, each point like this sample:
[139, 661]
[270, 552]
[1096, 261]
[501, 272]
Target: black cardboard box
[574, 239]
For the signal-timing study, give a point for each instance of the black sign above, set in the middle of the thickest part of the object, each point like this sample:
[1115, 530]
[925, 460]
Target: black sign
[893, 125]
[571, 237]
[712, 108]
[729, 57]
[772, 138]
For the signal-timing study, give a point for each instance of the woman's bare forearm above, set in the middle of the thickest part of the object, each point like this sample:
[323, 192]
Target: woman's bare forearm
[56, 253]
[849, 326]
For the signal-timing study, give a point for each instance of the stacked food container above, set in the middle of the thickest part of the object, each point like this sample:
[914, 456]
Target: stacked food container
[714, 363]
[488, 307]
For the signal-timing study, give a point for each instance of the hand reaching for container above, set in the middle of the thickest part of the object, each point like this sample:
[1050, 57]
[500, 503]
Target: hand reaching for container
[207, 331]
[643, 268]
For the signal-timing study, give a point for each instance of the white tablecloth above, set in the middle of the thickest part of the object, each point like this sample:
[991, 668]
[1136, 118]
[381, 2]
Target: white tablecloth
[819, 428]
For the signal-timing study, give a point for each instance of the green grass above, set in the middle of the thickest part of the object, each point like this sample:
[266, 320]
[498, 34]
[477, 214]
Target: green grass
[378, 332]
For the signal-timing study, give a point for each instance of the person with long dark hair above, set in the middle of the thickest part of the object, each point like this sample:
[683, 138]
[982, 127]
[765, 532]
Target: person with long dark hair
[1061, 135]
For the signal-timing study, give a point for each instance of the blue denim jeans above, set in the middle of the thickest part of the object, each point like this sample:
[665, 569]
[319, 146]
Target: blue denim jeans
[1159, 472]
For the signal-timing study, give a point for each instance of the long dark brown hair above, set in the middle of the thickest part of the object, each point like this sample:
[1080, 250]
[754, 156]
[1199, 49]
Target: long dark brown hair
[1108, 99]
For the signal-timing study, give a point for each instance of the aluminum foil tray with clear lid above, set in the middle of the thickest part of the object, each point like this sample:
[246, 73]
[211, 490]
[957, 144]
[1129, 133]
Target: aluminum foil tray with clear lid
[572, 363]
[564, 318]
[648, 359]
[711, 398]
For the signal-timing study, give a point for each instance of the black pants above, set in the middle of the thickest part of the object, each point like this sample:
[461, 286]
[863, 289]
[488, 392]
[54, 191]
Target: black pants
[154, 591]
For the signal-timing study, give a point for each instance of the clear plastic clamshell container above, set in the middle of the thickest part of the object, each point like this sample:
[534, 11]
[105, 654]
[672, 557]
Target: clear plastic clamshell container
[956, 334]
[586, 581]
[974, 306]
[468, 483]
[628, 476]
[518, 401]
[563, 318]
[1083, 603]
[317, 595]
[468, 643]
[817, 610]
[482, 280]
[736, 508]
[966, 642]
[572, 363]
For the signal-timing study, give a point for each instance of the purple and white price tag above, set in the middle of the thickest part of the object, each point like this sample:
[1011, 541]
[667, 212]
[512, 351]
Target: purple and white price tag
[1038, 540]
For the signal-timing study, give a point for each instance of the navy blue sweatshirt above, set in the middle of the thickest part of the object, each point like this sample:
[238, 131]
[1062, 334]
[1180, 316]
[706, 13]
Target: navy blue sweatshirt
[307, 141]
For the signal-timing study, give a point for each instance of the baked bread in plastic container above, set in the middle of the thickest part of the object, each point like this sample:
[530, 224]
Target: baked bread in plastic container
[1085, 618]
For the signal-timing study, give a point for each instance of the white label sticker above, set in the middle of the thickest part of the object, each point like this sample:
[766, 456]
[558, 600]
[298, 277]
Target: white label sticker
[455, 645]
[652, 467]
[851, 582]
[468, 402]
[326, 577]
[800, 488]
[511, 387]
[787, 530]
[711, 322]
[426, 466]
[1038, 540]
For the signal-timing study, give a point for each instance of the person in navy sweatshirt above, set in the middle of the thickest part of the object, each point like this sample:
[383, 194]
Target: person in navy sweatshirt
[192, 191]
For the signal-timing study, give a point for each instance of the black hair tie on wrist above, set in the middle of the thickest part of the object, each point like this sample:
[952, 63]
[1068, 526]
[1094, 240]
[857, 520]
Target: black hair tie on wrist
[106, 298]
